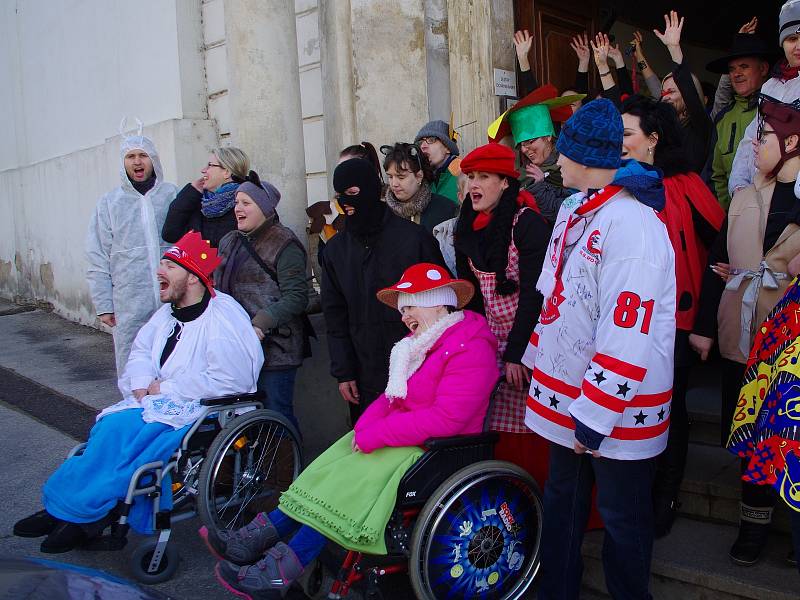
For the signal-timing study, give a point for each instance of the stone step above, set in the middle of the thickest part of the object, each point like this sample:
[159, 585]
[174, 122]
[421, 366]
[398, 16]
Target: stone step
[711, 489]
[692, 564]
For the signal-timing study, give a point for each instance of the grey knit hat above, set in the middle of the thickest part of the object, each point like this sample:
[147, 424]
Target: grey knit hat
[441, 130]
[789, 20]
[266, 196]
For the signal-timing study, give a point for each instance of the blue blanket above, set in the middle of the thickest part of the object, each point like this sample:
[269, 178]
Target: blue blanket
[86, 487]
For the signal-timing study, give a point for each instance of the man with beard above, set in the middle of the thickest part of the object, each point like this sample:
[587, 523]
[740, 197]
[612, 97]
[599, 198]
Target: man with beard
[124, 242]
[199, 344]
[747, 68]
[372, 253]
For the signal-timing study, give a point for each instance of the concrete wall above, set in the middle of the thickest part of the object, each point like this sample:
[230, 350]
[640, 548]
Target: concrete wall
[70, 72]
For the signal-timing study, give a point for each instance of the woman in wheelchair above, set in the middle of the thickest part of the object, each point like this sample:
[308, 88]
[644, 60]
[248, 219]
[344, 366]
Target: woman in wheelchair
[440, 379]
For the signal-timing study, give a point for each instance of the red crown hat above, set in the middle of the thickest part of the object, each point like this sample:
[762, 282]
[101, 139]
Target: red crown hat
[197, 256]
[423, 277]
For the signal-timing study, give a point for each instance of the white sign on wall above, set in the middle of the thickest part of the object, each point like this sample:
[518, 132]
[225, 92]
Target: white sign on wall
[505, 83]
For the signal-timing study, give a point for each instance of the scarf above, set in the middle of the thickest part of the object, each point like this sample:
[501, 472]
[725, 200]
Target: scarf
[409, 353]
[686, 193]
[524, 198]
[144, 186]
[412, 207]
[784, 72]
[217, 203]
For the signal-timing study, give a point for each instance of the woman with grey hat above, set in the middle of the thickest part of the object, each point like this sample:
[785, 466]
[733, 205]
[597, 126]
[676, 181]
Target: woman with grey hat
[264, 269]
[438, 142]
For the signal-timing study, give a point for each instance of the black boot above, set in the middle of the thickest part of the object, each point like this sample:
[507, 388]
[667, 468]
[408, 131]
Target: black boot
[753, 534]
[36, 525]
[65, 537]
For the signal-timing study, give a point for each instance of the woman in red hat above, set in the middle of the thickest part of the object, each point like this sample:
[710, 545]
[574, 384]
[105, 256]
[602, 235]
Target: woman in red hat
[500, 241]
[440, 379]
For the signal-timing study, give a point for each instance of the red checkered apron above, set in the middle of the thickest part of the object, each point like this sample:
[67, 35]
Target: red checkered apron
[508, 413]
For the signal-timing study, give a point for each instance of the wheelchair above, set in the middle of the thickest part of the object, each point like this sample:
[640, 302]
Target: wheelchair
[233, 463]
[464, 526]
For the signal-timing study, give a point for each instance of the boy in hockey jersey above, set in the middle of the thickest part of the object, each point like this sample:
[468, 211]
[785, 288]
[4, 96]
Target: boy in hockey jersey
[602, 356]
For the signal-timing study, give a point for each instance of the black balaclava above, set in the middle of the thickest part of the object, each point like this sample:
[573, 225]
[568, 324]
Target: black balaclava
[369, 210]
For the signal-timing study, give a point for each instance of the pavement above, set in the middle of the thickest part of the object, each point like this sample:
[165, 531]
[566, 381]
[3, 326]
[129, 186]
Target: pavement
[54, 377]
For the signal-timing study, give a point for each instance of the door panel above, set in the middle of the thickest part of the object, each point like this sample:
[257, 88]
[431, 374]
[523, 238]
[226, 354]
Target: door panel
[553, 27]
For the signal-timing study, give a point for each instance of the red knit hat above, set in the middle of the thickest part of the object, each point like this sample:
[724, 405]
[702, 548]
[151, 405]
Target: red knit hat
[491, 158]
[197, 256]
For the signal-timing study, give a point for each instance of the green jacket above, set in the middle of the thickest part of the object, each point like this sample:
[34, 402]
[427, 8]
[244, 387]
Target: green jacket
[446, 183]
[730, 130]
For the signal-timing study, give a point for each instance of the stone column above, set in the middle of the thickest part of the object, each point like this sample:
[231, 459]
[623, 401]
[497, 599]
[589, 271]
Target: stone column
[480, 34]
[264, 88]
[438, 59]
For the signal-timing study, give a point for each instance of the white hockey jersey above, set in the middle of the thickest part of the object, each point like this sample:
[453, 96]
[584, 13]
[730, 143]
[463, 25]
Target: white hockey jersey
[602, 351]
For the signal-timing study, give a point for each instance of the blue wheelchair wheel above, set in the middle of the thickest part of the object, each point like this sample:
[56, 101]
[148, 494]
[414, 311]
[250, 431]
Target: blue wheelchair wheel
[478, 536]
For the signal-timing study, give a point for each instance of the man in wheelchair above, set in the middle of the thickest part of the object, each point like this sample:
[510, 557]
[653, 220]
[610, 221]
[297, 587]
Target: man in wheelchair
[200, 344]
[440, 379]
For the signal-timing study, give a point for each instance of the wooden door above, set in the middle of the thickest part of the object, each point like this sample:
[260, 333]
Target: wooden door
[553, 27]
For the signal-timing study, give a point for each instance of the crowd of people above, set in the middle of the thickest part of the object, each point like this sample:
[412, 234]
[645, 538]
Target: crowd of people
[588, 255]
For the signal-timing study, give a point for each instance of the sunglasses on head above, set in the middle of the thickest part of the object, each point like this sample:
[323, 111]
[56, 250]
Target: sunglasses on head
[412, 150]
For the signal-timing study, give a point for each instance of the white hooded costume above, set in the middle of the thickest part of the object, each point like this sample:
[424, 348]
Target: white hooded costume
[123, 248]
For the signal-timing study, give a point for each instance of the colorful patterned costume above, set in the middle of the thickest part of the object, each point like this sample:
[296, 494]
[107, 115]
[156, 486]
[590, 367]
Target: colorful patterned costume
[766, 422]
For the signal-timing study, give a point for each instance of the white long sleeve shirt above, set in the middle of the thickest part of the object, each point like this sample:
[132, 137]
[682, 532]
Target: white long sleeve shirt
[218, 354]
[602, 352]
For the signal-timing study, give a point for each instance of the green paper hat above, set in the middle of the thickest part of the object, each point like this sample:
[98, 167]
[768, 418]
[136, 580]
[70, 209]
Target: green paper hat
[533, 115]
[531, 122]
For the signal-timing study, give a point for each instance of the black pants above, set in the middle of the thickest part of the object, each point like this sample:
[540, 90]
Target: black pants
[625, 504]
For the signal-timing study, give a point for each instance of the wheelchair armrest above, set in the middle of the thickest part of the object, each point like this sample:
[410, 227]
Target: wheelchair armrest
[233, 399]
[487, 437]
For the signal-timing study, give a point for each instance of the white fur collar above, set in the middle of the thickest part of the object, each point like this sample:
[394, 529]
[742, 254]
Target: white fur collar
[409, 353]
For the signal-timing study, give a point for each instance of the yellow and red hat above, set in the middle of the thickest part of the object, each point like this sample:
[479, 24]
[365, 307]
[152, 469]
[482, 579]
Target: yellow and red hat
[197, 256]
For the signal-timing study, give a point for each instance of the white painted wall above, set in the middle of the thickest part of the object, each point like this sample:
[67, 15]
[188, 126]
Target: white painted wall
[71, 70]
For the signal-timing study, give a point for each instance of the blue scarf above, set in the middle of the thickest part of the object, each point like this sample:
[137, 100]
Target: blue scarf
[644, 181]
[217, 203]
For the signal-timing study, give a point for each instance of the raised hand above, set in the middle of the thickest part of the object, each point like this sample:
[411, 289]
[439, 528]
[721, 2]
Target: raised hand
[750, 26]
[600, 48]
[580, 45]
[673, 25]
[615, 54]
[523, 41]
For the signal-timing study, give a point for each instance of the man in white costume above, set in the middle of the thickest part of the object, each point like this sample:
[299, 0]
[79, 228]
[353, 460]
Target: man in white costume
[199, 344]
[124, 243]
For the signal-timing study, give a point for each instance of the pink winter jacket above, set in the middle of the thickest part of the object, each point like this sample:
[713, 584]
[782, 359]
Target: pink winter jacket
[448, 394]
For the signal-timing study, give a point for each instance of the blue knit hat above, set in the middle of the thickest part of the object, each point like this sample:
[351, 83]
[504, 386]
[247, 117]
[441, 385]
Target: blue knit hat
[593, 136]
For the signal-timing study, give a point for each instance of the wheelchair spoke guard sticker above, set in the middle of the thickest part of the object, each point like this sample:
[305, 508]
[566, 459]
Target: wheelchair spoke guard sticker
[483, 541]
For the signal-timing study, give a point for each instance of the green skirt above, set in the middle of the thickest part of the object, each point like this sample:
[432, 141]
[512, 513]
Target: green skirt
[349, 496]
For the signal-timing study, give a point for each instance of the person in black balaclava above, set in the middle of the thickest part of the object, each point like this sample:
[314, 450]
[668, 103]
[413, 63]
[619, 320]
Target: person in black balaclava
[371, 253]
[359, 190]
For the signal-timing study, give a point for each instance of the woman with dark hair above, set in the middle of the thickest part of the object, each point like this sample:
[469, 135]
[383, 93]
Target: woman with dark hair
[409, 192]
[500, 241]
[653, 135]
[366, 151]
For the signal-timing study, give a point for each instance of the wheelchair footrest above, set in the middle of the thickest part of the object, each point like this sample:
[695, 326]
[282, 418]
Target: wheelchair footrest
[106, 543]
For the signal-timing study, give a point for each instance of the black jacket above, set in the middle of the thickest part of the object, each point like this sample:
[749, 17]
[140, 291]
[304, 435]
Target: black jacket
[531, 236]
[361, 330]
[184, 215]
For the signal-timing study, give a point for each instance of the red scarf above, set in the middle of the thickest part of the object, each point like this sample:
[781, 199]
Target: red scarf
[684, 192]
[787, 72]
[524, 198]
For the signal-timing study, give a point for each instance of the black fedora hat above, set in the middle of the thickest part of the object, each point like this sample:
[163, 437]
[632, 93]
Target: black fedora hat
[744, 44]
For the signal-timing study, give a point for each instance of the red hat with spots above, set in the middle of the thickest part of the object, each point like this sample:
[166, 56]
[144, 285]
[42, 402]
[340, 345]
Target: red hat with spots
[197, 256]
[427, 284]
